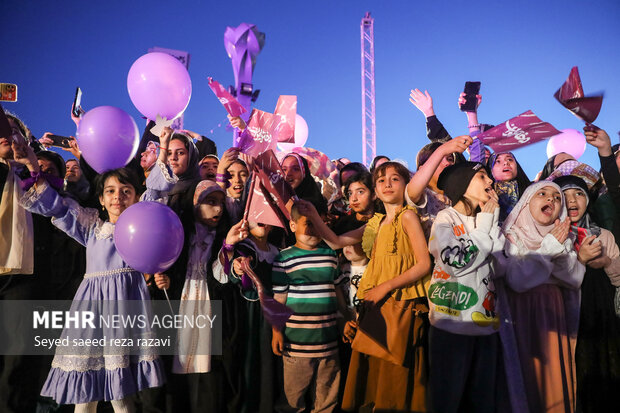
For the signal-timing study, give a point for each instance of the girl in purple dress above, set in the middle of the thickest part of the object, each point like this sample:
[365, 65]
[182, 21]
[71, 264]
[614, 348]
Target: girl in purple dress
[98, 373]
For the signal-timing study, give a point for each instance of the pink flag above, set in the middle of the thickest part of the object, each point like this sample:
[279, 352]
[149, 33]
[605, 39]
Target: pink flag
[270, 174]
[517, 132]
[261, 209]
[320, 164]
[572, 97]
[232, 105]
[257, 137]
[284, 119]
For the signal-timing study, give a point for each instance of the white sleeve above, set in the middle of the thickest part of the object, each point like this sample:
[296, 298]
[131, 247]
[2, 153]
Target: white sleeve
[527, 269]
[218, 271]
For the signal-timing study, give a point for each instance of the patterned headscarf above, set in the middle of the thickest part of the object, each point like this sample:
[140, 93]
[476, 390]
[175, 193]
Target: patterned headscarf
[582, 170]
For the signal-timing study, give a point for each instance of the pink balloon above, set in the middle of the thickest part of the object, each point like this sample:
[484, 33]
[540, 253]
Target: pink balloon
[301, 135]
[570, 141]
[159, 84]
[108, 138]
[149, 237]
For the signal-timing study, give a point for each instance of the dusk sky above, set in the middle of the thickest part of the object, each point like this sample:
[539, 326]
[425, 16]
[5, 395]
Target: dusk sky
[521, 51]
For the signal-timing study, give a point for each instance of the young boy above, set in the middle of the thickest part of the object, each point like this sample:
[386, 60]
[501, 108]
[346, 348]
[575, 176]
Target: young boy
[304, 278]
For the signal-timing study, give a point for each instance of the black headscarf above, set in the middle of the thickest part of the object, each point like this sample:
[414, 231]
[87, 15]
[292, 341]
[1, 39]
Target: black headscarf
[308, 189]
[180, 197]
[522, 180]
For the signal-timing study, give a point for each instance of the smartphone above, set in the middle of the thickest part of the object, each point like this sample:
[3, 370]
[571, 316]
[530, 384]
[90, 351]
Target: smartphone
[61, 141]
[8, 92]
[471, 90]
[77, 103]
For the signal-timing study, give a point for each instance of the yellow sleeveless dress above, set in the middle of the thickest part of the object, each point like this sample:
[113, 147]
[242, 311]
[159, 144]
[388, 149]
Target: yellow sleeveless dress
[373, 382]
[390, 255]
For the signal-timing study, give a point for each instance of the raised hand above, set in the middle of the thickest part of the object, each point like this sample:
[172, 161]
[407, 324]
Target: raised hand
[191, 134]
[237, 233]
[462, 99]
[46, 141]
[458, 144]
[24, 154]
[227, 159]
[237, 122]
[422, 101]
[561, 229]
[76, 119]
[73, 148]
[599, 139]
[164, 137]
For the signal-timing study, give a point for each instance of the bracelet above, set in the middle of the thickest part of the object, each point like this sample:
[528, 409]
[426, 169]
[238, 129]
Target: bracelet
[474, 126]
[227, 247]
[162, 148]
[223, 179]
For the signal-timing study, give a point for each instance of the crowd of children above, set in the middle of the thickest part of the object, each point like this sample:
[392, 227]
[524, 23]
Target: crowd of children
[460, 287]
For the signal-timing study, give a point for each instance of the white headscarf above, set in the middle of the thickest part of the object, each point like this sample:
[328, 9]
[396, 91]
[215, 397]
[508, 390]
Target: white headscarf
[521, 225]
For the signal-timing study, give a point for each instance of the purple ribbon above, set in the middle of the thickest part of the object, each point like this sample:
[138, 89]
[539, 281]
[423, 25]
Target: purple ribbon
[55, 182]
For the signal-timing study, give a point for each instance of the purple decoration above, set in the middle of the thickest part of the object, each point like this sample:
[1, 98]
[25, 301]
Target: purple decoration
[159, 84]
[522, 130]
[108, 138]
[572, 97]
[275, 313]
[149, 237]
[243, 44]
[232, 106]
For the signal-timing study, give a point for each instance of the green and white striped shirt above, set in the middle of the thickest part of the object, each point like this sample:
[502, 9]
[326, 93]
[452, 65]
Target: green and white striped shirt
[309, 278]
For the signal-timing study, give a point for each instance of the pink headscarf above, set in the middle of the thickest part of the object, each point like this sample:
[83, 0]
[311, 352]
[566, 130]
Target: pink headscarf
[522, 226]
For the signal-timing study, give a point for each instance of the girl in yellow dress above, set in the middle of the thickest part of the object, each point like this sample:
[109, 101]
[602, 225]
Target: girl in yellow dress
[388, 369]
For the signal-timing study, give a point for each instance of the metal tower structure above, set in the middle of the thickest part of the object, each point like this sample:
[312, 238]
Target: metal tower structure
[369, 127]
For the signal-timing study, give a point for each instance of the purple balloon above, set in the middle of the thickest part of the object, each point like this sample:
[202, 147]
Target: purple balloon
[159, 84]
[149, 237]
[108, 138]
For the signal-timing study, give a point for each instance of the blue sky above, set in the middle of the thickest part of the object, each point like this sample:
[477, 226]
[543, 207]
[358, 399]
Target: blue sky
[520, 51]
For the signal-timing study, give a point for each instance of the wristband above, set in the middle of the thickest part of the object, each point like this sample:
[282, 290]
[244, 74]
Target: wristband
[226, 248]
[474, 126]
[223, 179]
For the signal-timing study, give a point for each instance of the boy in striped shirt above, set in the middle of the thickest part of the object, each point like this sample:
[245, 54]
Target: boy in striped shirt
[305, 279]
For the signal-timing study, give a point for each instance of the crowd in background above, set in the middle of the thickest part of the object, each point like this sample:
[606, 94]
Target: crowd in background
[461, 286]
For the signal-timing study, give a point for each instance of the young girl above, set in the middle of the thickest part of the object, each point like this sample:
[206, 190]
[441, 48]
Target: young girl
[510, 181]
[359, 192]
[208, 209]
[597, 355]
[233, 181]
[544, 277]
[464, 323]
[394, 285]
[255, 348]
[85, 379]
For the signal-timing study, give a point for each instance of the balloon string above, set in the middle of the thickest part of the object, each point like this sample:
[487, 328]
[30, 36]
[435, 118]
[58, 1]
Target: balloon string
[168, 299]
